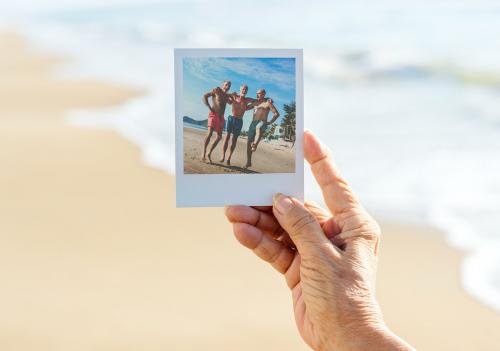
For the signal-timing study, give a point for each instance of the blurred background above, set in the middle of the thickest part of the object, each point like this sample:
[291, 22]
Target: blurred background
[95, 257]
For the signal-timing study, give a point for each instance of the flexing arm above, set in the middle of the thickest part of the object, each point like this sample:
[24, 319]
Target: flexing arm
[276, 114]
[205, 99]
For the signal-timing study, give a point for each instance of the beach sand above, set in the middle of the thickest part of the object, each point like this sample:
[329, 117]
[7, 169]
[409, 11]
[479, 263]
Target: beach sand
[275, 157]
[94, 256]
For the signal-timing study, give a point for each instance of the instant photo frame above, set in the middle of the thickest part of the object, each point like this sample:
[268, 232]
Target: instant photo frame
[216, 190]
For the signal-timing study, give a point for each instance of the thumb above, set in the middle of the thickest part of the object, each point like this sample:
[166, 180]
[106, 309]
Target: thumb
[300, 224]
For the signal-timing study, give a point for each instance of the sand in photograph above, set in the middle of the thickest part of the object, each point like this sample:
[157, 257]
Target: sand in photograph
[276, 156]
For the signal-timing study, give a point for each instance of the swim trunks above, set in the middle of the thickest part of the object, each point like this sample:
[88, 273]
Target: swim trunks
[234, 125]
[216, 122]
[252, 130]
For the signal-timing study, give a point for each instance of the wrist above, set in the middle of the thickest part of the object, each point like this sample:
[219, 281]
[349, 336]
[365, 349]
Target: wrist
[385, 339]
[374, 337]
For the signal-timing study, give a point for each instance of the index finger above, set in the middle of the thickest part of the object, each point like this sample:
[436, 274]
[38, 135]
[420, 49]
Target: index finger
[262, 220]
[337, 194]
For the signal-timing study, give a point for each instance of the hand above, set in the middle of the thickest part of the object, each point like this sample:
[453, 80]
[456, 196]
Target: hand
[328, 259]
[270, 101]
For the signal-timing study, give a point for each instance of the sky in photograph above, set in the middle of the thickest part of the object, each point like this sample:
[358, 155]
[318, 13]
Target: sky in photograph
[202, 74]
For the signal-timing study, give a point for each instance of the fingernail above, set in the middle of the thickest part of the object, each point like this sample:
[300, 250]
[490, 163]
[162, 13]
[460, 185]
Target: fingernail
[282, 203]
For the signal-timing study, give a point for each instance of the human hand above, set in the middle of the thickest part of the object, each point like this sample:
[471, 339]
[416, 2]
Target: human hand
[329, 259]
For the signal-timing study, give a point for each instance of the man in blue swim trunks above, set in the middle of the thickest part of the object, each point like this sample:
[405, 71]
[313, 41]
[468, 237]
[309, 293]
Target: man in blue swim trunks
[261, 108]
[239, 105]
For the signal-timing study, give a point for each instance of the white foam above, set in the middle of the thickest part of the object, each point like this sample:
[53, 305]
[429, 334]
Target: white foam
[481, 274]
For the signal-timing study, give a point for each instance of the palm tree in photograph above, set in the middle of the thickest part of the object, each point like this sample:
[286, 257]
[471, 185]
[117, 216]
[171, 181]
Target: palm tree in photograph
[288, 122]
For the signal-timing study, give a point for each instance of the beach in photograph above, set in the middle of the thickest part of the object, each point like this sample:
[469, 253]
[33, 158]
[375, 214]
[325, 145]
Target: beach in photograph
[276, 156]
[95, 256]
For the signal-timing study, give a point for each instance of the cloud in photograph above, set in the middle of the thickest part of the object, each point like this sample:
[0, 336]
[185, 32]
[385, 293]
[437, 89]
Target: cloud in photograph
[270, 71]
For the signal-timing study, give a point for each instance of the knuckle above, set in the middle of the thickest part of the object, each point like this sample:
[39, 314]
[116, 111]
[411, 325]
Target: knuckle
[370, 230]
[273, 256]
[303, 221]
[362, 224]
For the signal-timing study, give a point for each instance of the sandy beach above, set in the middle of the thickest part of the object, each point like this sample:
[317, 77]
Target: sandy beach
[275, 157]
[94, 255]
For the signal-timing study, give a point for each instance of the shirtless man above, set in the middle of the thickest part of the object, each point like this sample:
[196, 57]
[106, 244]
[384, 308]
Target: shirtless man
[240, 104]
[261, 108]
[220, 98]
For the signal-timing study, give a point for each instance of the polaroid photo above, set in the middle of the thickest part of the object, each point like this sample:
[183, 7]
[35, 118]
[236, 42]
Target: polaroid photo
[239, 126]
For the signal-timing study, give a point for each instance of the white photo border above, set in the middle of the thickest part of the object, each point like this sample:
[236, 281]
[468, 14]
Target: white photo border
[217, 190]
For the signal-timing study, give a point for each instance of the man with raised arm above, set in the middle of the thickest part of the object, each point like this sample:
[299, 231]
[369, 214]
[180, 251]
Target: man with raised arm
[261, 108]
[239, 105]
[220, 98]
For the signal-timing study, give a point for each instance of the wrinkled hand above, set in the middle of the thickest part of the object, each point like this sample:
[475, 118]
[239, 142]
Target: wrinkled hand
[329, 259]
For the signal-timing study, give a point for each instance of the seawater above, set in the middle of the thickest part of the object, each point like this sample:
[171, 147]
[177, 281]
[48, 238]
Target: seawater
[407, 95]
[194, 126]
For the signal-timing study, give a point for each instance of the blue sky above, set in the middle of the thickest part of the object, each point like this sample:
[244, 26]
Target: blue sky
[202, 74]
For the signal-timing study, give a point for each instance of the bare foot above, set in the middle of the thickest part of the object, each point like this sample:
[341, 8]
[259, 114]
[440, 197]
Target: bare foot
[222, 159]
[209, 158]
[228, 162]
[203, 158]
[248, 165]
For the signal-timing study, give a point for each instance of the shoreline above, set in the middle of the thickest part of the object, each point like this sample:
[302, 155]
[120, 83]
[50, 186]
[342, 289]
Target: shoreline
[94, 249]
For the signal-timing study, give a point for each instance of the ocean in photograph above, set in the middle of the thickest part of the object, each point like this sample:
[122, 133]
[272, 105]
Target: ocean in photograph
[194, 126]
[406, 94]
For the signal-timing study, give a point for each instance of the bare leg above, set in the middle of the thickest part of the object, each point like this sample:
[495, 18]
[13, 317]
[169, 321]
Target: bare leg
[224, 147]
[249, 154]
[258, 137]
[216, 141]
[207, 140]
[231, 150]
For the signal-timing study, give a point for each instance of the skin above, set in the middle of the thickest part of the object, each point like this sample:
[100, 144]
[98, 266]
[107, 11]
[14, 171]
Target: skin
[328, 258]
[239, 105]
[262, 107]
[220, 98]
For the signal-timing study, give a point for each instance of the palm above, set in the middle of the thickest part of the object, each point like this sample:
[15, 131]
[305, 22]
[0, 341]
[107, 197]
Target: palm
[307, 329]
[304, 324]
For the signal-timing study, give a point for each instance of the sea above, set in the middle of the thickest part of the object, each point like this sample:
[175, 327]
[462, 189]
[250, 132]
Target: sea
[405, 93]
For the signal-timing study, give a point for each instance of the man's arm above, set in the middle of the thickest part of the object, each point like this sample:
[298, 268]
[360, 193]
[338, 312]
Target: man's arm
[230, 97]
[276, 114]
[205, 99]
[250, 103]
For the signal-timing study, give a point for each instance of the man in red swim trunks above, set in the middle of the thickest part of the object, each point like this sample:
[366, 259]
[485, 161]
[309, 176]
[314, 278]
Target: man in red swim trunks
[220, 98]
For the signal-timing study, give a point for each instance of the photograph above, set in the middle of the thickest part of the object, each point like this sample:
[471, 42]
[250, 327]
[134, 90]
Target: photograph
[239, 115]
